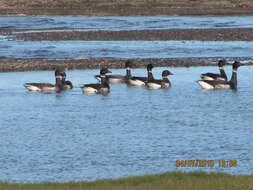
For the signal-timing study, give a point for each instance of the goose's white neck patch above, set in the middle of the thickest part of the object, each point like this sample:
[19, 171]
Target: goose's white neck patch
[58, 77]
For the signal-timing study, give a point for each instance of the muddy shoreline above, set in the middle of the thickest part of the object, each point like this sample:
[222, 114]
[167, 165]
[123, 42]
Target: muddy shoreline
[126, 7]
[20, 65]
[224, 34]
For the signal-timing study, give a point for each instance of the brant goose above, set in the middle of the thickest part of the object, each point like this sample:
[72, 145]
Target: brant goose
[221, 84]
[114, 79]
[164, 83]
[67, 85]
[99, 88]
[47, 87]
[140, 81]
[214, 76]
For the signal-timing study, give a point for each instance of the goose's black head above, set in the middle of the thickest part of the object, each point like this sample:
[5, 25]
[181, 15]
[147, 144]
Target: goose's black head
[103, 71]
[222, 62]
[128, 64]
[59, 71]
[150, 67]
[166, 73]
[236, 65]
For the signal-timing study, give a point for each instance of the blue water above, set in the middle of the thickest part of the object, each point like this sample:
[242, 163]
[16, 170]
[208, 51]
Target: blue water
[125, 23]
[132, 131]
[124, 49]
[10, 48]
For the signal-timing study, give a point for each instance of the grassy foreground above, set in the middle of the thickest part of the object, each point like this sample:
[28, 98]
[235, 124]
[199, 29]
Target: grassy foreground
[171, 180]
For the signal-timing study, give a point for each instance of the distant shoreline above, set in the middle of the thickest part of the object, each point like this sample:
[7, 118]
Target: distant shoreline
[123, 8]
[126, 7]
[220, 34]
[21, 65]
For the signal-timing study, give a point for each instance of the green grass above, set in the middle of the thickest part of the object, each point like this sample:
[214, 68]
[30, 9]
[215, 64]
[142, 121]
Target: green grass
[170, 180]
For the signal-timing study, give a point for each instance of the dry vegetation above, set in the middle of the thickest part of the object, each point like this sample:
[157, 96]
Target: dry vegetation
[125, 7]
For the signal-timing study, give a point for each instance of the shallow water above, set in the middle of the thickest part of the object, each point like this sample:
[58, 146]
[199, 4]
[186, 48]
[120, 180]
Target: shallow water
[132, 131]
[125, 23]
[124, 49]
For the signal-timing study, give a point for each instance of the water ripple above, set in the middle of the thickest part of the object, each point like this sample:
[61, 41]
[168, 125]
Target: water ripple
[123, 23]
[70, 136]
[124, 49]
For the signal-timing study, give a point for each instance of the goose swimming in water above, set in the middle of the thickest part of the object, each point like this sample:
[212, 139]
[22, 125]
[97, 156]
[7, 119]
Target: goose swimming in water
[114, 79]
[67, 85]
[221, 84]
[164, 83]
[214, 76]
[47, 87]
[140, 81]
[99, 88]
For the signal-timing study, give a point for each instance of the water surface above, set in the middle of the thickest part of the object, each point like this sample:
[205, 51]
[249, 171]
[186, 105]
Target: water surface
[124, 49]
[132, 131]
[125, 23]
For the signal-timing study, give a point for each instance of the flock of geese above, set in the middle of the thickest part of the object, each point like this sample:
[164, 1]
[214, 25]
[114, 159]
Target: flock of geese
[209, 80]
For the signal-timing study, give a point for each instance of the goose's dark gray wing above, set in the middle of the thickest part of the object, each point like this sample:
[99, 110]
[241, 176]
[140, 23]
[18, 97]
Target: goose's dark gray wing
[67, 85]
[140, 78]
[95, 86]
[215, 82]
[213, 75]
[156, 81]
[115, 76]
[39, 85]
[110, 76]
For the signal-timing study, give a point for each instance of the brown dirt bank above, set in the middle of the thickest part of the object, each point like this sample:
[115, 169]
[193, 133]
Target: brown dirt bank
[242, 34]
[125, 7]
[14, 65]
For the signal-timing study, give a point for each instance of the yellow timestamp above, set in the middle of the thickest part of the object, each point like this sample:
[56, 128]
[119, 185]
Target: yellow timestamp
[206, 163]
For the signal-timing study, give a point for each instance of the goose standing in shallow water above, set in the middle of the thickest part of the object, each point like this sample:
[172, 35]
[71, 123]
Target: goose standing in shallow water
[47, 87]
[214, 76]
[221, 84]
[164, 83]
[140, 81]
[114, 79]
[99, 88]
